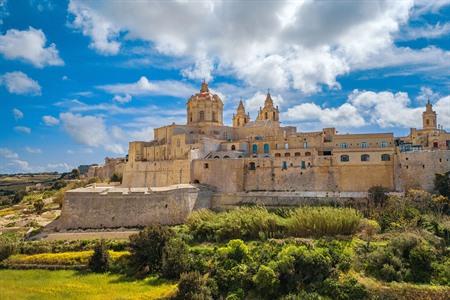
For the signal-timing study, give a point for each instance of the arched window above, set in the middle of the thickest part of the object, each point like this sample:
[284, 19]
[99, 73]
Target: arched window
[233, 147]
[277, 155]
[345, 157]
[297, 154]
[385, 157]
[254, 148]
[284, 165]
[226, 157]
[202, 115]
[274, 116]
[214, 118]
[305, 145]
[252, 166]
[303, 165]
[365, 157]
[216, 157]
[190, 117]
[307, 153]
[287, 154]
[266, 148]
[265, 116]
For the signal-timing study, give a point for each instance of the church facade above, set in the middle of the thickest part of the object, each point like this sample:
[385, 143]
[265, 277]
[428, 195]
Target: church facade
[263, 155]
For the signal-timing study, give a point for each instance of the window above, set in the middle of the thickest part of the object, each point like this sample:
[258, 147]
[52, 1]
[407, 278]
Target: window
[277, 155]
[266, 148]
[286, 146]
[343, 145]
[216, 157]
[384, 144]
[365, 157]
[255, 148]
[206, 166]
[190, 117]
[287, 154]
[305, 145]
[303, 165]
[265, 116]
[274, 116]
[385, 157]
[345, 158]
[226, 157]
[284, 165]
[297, 154]
[307, 153]
[202, 115]
[364, 145]
[233, 147]
[214, 116]
[252, 166]
[435, 144]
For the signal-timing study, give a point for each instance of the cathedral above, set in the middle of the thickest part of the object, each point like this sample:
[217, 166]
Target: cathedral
[263, 155]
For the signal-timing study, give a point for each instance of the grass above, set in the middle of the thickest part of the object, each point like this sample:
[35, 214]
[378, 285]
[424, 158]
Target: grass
[64, 258]
[43, 284]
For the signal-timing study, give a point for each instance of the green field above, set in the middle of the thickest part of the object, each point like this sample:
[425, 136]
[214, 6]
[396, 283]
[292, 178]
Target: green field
[42, 284]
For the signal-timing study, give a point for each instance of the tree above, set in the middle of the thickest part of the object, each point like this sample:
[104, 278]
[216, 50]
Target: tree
[99, 261]
[266, 281]
[368, 229]
[18, 196]
[175, 258]
[442, 184]
[192, 286]
[116, 178]
[38, 206]
[74, 174]
[147, 246]
[377, 195]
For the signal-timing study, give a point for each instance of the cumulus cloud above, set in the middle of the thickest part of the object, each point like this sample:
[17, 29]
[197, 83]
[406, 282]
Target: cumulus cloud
[17, 114]
[7, 153]
[122, 99]
[50, 121]
[382, 109]
[145, 87]
[428, 31]
[23, 129]
[277, 44]
[33, 150]
[30, 46]
[19, 83]
[12, 161]
[90, 131]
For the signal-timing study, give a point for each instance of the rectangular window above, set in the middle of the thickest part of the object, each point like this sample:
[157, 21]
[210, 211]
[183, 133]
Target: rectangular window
[343, 145]
[383, 144]
[364, 145]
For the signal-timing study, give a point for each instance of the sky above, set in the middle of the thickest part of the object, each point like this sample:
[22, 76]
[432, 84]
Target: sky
[81, 79]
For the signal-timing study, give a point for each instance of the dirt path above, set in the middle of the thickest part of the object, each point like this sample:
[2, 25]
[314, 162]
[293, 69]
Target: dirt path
[89, 235]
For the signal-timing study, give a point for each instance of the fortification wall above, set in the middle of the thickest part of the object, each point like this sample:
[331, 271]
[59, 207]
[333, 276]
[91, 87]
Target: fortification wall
[156, 173]
[417, 169]
[110, 207]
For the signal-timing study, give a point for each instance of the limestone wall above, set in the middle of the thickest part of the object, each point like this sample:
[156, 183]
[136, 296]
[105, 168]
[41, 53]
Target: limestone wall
[110, 207]
[416, 169]
[156, 173]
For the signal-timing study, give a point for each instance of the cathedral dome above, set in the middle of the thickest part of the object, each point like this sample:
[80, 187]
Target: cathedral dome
[204, 108]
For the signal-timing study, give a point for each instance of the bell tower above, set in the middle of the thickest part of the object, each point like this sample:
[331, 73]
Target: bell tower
[429, 117]
[269, 112]
[240, 119]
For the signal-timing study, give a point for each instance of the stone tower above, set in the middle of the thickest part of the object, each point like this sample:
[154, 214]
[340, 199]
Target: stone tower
[204, 108]
[240, 118]
[268, 112]
[429, 117]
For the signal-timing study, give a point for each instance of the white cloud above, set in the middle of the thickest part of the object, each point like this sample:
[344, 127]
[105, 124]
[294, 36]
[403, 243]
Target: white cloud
[426, 94]
[50, 121]
[90, 131]
[19, 83]
[253, 103]
[59, 167]
[30, 46]
[443, 111]
[145, 87]
[23, 129]
[23, 165]
[276, 44]
[33, 150]
[7, 153]
[17, 114]
[427, 31]
[122, 99]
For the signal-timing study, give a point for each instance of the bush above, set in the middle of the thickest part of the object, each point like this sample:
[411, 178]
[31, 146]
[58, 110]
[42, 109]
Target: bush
[348, 289]
[322, 221]
[18, 196]
[175, 259]
[38, 206]
[193, 286]
[7, 247]
[147, 246]
[99, 261]
[116, 178]
[442, 184]
[266, 281]
[377, 196]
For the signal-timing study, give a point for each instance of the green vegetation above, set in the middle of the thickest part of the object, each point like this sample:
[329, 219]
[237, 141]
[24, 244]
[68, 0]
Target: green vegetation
[99, 261]
[47, 285]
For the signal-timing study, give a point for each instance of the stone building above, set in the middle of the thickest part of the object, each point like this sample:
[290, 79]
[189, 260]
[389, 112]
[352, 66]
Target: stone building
[262, 155]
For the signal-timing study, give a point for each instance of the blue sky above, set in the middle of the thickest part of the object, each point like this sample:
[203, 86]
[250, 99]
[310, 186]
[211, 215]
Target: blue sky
[79, 79]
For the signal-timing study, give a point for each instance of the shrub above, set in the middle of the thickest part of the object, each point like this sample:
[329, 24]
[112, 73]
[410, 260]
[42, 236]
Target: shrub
[348, 289]
[300, 266]
[322, 221]
[38, 206]
[147, 246]
[7, 247]
[368, 229]
[377, 195]
[235, 250]
[266, 281]
[175, 258]
[99, 261]
[18, 196]
[193, 286]
[420, 261]
[442, 184]
[116, 178]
